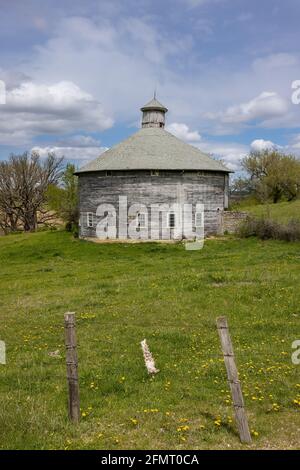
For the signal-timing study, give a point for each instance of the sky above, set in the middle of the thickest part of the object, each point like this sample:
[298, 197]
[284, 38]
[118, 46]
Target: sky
[76, 73]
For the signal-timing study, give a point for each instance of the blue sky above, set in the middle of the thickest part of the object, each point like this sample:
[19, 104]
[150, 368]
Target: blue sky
[77, 72]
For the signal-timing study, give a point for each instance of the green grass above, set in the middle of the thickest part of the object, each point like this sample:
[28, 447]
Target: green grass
[281, 212]
[123, 293]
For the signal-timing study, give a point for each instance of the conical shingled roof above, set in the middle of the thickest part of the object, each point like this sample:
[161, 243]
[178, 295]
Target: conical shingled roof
[154, 104]
[153, 149]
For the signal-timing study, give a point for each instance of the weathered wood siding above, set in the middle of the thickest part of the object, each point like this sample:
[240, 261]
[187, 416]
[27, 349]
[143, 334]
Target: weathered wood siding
[153, 118]
[143, 187]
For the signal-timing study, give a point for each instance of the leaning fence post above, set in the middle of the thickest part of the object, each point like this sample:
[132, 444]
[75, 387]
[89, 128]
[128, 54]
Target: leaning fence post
[72, 367]
[235, 386]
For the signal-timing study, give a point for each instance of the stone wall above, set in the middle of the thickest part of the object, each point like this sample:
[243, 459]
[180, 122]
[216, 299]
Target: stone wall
[232, 219]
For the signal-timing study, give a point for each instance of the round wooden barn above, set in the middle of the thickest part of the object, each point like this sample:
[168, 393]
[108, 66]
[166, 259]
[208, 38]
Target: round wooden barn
[152, 186]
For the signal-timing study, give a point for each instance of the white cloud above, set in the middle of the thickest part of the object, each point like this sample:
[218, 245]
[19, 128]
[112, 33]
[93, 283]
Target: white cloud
[80, 141]
[267, 105]
[183, 132]
[121, 61]
[259, 145]
[120, 58]
[231, 153]
[13, 78]
[32, 109]
[296, 143]
[292, 146]
[82, 148]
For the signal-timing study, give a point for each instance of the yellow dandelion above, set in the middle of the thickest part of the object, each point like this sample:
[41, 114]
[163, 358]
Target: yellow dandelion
[134, 421]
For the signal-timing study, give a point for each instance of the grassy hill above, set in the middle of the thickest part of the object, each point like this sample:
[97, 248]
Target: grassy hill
[122, 293]
[281, 212]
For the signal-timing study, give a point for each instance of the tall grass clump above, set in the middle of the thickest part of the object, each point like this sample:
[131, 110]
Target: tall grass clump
[266, 229]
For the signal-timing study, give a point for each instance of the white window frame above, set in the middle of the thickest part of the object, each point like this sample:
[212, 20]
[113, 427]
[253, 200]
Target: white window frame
[138, 221]
[89, 219]
[171, 213]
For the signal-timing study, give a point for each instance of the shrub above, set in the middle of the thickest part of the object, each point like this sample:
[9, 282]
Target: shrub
[265, 229]
[291, 231]
[75, 230]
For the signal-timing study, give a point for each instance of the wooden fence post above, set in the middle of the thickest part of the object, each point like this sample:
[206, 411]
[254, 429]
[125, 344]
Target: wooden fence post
[235, 386]
[72, 367]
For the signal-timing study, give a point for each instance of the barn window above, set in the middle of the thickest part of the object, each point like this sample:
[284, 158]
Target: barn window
[109, 173]
[141, 220]
[155, 173]
[90, 219]
[171, 220]
[199, 219]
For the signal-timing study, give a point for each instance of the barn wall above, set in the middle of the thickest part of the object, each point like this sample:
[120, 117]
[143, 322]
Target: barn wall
[208, 188]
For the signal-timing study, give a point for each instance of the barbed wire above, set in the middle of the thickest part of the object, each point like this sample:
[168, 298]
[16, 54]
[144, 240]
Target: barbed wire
[222, 381]
[194, 354]
[90, 320]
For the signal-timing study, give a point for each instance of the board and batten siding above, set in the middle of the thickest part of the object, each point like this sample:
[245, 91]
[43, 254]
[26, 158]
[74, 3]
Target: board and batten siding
[145, 187]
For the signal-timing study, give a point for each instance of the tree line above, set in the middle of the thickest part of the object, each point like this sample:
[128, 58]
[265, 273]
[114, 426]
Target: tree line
[35, 192]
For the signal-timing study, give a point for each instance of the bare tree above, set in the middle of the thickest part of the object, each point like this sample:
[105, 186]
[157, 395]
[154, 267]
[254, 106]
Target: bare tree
[24, 180]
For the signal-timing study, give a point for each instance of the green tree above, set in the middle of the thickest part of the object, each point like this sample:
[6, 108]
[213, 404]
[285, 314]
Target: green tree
[273, 175]
[63, 198]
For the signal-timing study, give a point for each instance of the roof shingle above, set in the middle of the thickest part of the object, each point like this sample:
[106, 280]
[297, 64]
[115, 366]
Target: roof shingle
[153, 149]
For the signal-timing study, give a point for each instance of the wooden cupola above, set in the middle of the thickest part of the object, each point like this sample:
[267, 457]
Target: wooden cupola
[153, 114]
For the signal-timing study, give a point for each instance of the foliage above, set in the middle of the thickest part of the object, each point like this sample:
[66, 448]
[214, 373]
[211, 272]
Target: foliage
[24, 180]
[265, 228]
[241, 186]
[273, 175]
[64, 199]
[122, 293]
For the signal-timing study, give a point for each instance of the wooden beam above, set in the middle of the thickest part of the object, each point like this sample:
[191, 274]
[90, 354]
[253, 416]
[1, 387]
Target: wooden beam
[233, 379]
[72, 367]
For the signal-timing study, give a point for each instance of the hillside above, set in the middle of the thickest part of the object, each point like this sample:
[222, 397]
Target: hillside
[281, 212]
[122, 293]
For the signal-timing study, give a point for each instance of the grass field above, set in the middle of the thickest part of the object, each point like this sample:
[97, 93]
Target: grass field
[122, 293]
[281, 212]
